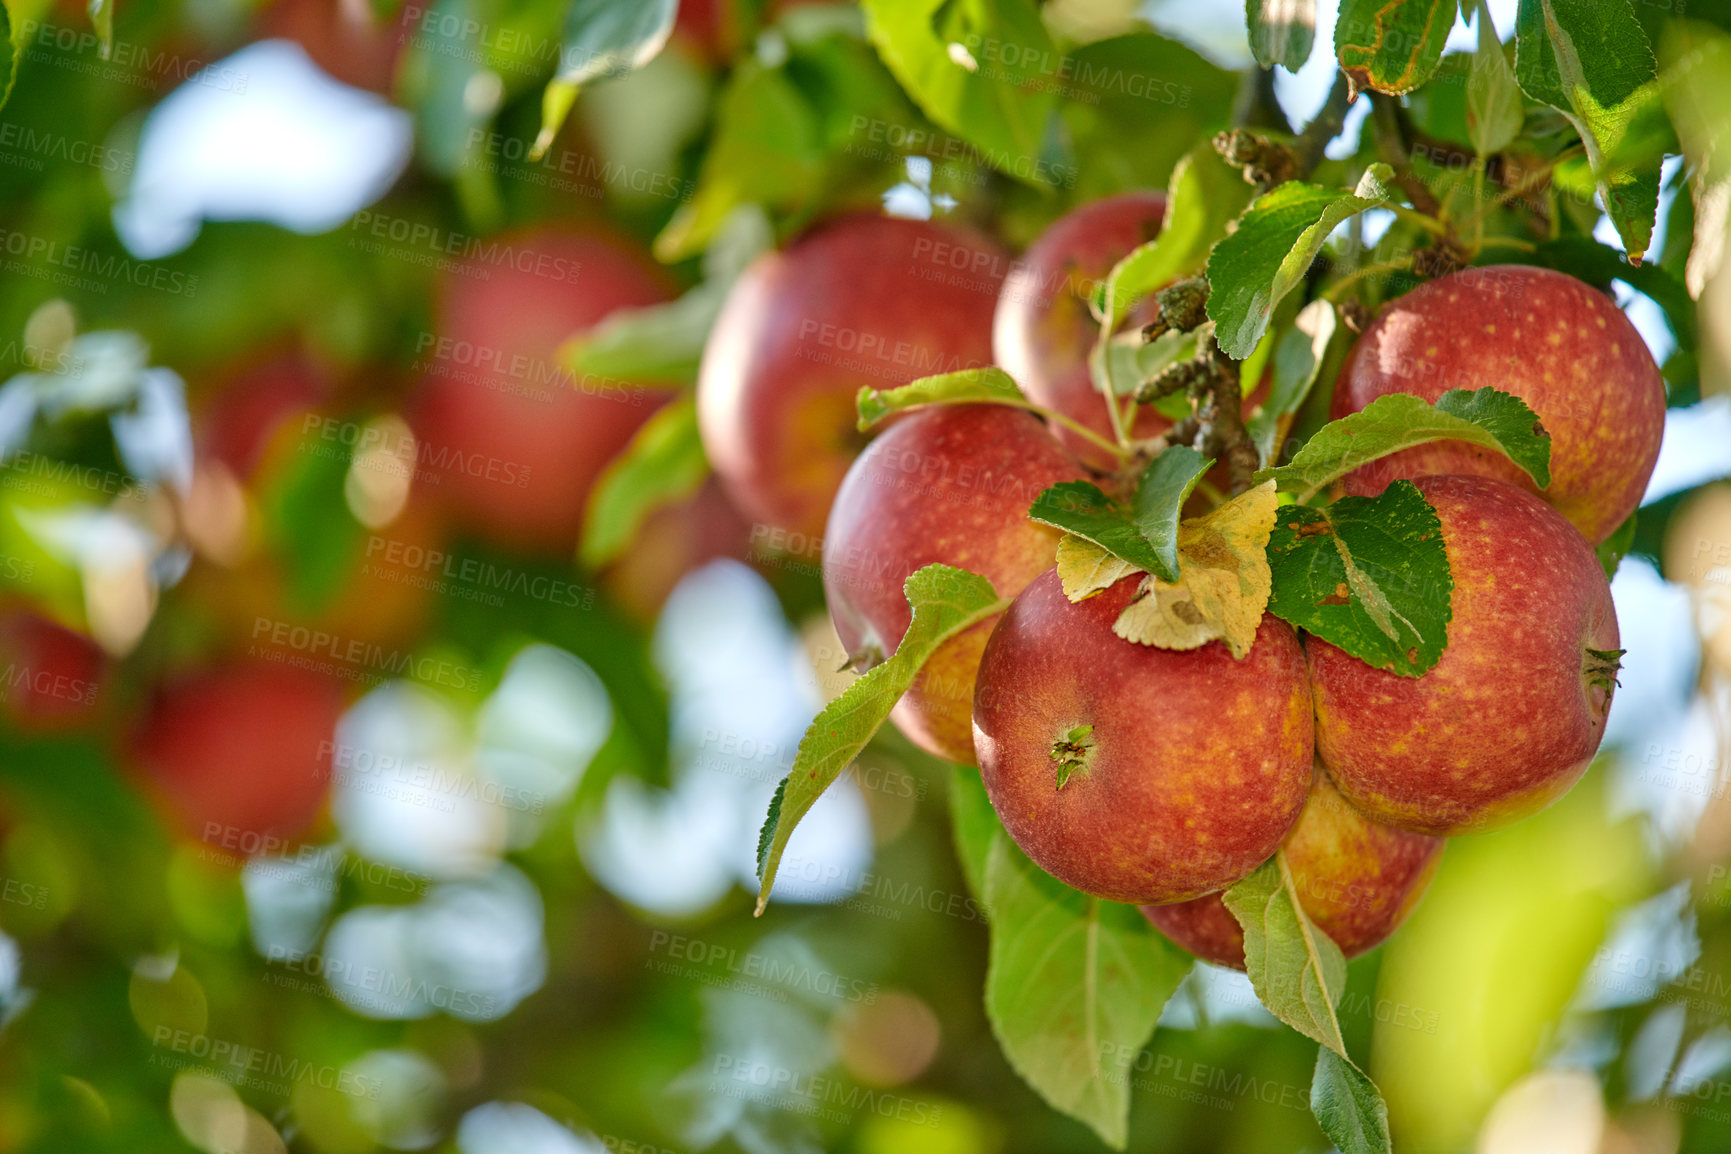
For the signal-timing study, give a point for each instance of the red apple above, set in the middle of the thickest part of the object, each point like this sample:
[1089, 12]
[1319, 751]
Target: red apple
[866, 300]
[673, 541]
[345, 38]
[1134, 773]
[1357, 879]
[512, 442]
[948, 485]
[238, 754]
[1558, 344]
[1512, 714]
[52, 677]
[242, 414]
[1045, 329]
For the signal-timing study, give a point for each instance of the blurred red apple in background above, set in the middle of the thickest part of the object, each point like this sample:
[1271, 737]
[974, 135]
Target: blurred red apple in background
[1511, 715]
[240, 752]
[1134, 773]
[865, 300]
[673, 541]
[51, 676]
[1357, 879]
[1045, 329]
[950, 485]
[512, 442]
[1558, 344]
[346, 38]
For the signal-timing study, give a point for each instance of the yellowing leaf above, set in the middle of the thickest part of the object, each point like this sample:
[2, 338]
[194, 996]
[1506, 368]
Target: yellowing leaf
[1223, 582]
[1084, 568]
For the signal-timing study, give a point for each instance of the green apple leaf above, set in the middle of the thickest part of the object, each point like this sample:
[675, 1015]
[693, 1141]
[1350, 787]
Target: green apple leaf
[1206, 194]
[1281, 31]
[1297, 361]
[976, 68]
[8, 56]
[1074, 985]
[1160, 495]
[663, 463]
[1298, 973]
[990, 385]
[663, 343]
[767, 148]
[602, 38]
[1134, 105]
[1494, 110]
[1079, 507]
[1487, 417]
[1348, 1106]
[1252, 270]
[102, 20]
[1614, 548]
[1367, 574]
[945, 601]
[1590, 60]
[1224, 584]
[1391, 46]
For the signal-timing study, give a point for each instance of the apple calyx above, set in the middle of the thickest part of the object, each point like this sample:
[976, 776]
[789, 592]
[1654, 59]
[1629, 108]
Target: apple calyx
[1599, 671]
[1073, 752]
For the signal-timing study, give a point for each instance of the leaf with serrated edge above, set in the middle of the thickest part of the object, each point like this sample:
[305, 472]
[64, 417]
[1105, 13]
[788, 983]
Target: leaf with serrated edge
[1084, 568]
[1487, 417]
[1348, 1106]
[1494, 112]
[1590, 60]
[945, 601]
[1369, 575]
[967, 386]
[1160, 495]
[1281, 31]
[1391, 46]
[1296, 971]
[1251, 271]
[1079, 507]
[1204, 196]
[1297, 360]
[1074, 985]
[1223, 582]
[663, 462]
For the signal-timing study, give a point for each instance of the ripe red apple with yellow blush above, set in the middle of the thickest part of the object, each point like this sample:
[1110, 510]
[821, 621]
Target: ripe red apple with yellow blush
[950, 485]
[1511, 715]
[862, 301]
[1357, 879]
[1558, 344]
[1044, 328]
[1134, 773]
[510, 442]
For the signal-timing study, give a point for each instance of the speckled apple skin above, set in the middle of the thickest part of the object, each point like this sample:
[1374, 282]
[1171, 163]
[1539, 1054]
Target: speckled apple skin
[1200, 762]
[1558, 344]
[1505, 722]
[1044, 329]
[947, 485]
[1357, 880]
[866, 300]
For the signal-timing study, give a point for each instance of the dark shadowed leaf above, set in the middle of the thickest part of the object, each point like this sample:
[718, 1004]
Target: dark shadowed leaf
[1391, 47]
[1281, 31]
[1367, 574]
